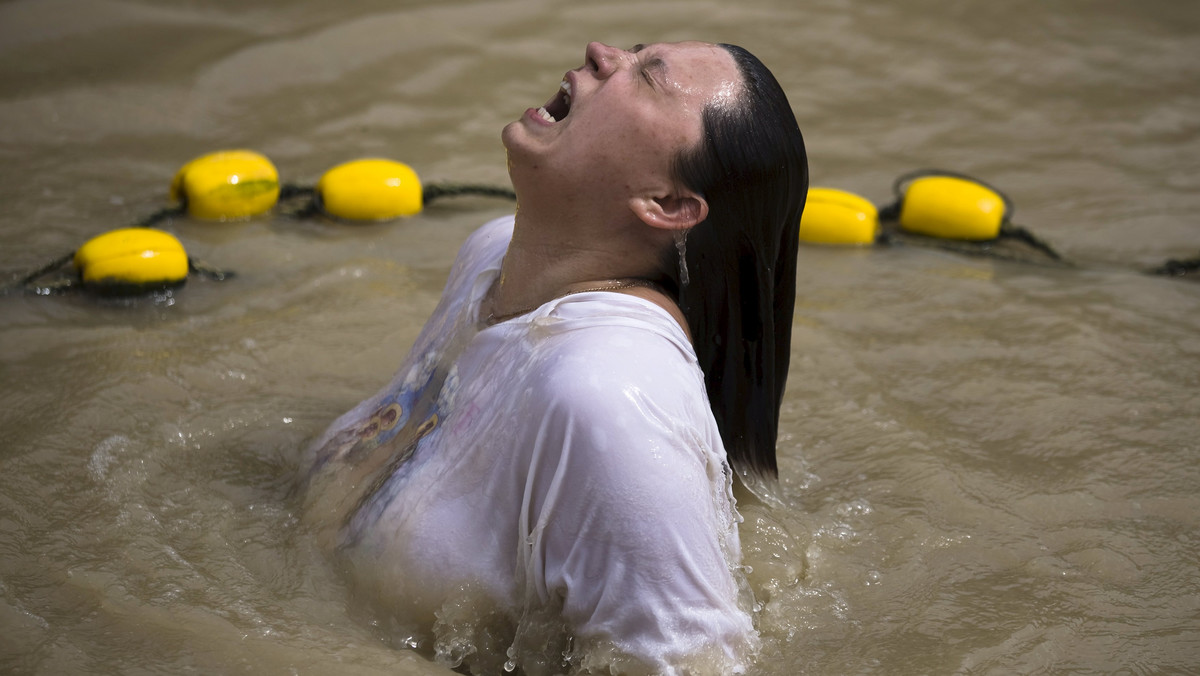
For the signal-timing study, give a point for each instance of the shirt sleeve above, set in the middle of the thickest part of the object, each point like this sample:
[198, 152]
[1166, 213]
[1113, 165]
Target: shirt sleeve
[629, 521]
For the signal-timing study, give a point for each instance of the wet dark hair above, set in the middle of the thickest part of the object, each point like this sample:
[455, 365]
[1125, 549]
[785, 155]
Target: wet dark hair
[752, 169]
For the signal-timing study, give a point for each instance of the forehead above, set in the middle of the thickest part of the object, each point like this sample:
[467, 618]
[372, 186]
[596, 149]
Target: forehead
[694, 70]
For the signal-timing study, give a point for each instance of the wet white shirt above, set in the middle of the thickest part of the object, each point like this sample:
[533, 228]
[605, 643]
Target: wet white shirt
[570, 461]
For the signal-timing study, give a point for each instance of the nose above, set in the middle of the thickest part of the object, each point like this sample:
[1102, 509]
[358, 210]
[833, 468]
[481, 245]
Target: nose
[602, 59]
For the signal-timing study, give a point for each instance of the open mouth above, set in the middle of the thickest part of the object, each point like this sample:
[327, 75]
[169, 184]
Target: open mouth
[558, 107]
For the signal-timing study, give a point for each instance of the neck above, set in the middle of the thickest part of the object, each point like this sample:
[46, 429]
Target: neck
[566, 239]
[553, 254]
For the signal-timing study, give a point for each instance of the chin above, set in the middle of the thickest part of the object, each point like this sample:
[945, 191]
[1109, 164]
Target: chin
[517, 147]
[512, 134]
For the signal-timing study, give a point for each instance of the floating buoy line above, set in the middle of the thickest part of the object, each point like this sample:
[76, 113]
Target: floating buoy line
[234, 185]
[939, 209]
[932, 207]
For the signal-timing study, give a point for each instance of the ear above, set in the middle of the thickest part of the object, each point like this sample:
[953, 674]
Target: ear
[670, 212]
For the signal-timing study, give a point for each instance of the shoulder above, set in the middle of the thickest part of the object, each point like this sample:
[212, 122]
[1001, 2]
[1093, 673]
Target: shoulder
[611, 351]
[626, 334]
[629, 397]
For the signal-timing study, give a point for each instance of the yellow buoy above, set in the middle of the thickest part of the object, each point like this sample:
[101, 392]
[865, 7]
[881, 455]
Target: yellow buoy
[132, 258]
[370, 190]
[227, 185]
[834, 216]
[952, 207]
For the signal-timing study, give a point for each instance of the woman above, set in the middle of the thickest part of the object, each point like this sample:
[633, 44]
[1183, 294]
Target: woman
[550, 466]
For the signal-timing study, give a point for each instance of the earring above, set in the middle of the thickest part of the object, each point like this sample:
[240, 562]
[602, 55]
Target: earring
[681, 247]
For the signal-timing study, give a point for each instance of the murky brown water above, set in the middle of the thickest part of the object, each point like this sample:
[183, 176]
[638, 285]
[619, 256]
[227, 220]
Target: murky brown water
[989, 467]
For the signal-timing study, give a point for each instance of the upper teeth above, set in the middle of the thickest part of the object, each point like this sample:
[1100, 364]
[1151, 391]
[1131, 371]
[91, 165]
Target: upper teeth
[565, 88]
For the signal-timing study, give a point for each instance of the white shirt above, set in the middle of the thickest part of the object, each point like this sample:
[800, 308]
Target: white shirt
[574, 465]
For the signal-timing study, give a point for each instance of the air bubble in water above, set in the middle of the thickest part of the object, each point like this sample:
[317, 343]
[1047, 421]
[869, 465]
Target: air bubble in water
[859, 507]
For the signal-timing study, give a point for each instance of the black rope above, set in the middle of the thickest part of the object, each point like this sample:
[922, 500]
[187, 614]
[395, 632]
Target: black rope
[289, 190]
[1010, 231]
[46, 269]
[161, 215]
[308, 208]
[1177, 268]
[435, 192]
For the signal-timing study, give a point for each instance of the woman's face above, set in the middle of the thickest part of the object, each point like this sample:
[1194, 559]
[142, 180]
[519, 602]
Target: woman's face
[621, 118]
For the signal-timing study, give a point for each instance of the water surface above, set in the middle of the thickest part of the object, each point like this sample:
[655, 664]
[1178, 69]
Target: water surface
[987, 467]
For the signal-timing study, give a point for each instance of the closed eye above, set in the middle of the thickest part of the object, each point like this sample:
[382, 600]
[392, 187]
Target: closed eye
[653, 67]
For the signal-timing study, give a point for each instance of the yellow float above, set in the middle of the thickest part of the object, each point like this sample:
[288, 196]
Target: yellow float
[952, 207]
[370, 189]
[132, 259]
[834, 216]
[226, 185]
